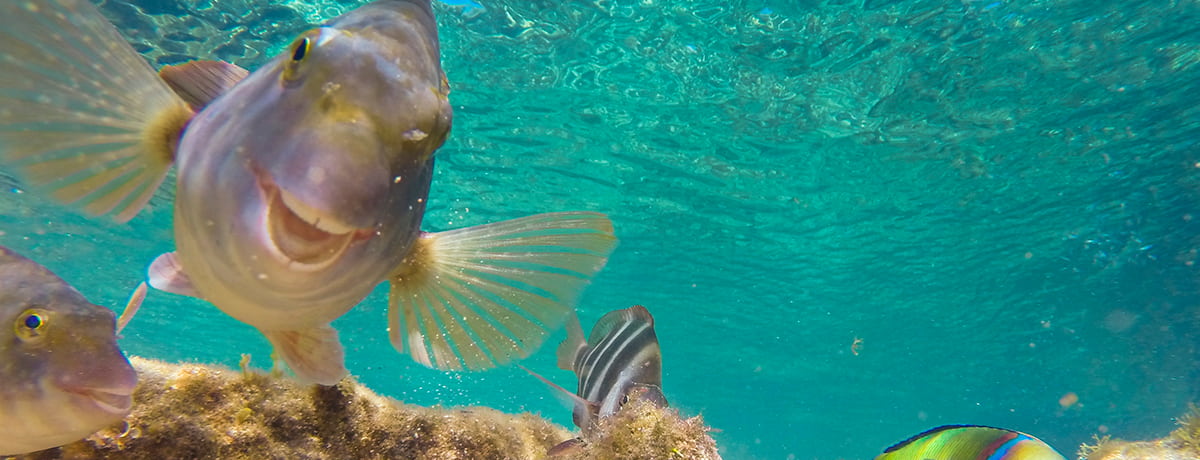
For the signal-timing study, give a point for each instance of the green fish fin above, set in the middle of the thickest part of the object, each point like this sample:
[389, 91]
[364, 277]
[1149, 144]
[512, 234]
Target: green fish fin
[199, 82]
[166, 274]
[478, 297]
[315, 355]
[573, 345]
[82, 114]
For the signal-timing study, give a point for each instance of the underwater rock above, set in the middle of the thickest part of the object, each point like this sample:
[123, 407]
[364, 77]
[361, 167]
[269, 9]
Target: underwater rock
[643, 430]
[1181, 444]
[197, 411]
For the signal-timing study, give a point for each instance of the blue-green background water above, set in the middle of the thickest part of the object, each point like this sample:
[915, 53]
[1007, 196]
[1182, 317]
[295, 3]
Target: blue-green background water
[1000, 199]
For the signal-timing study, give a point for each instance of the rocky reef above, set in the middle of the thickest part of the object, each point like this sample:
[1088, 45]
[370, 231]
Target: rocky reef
[196, 411]
[1181, 444]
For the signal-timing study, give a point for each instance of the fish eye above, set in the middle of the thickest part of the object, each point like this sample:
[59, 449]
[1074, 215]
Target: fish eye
[31, 323]
[300, 50]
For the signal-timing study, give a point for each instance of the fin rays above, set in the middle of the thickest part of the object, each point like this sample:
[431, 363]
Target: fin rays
[81, 113]
[479, 297]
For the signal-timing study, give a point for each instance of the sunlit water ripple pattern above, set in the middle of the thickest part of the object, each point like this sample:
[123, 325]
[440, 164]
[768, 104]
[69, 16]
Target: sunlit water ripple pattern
[998, 198]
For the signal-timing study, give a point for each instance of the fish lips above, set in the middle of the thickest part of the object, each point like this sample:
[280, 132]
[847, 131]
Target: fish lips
[117, 402]
[300, 235]
[114, 397]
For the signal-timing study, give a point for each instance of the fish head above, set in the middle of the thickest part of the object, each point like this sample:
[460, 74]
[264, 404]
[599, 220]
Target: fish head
[305, 184]
[645, 392]
[360, 118]
[65, 377]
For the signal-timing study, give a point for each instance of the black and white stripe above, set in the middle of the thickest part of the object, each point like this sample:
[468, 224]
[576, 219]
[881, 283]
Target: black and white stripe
[621, 354]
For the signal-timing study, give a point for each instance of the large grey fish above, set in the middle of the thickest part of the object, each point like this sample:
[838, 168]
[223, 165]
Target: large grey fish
[62, 375]
[620, 362]
[300, 186]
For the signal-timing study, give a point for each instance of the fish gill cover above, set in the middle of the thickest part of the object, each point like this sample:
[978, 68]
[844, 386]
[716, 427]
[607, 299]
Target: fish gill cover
[852, 219]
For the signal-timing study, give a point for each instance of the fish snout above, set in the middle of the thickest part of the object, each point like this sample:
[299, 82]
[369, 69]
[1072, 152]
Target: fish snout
[108, 388]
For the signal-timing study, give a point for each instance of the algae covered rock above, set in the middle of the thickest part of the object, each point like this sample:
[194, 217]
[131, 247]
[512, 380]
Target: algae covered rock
[187, 411]
[643, 430]
[1181, 444]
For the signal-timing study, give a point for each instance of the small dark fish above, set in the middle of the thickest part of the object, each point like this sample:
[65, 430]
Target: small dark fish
[970, 442]
[62, 375]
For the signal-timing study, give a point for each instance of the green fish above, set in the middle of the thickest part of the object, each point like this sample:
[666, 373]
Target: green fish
[970, 442]
[300, 187]
[62, 375]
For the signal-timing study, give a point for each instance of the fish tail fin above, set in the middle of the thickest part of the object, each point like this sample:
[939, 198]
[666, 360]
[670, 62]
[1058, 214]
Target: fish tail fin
[315, 354]
[574, 344]
[82, 114]
[479, 297]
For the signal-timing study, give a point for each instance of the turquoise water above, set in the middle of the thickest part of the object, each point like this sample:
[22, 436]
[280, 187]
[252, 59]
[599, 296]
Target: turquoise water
[1000, 199]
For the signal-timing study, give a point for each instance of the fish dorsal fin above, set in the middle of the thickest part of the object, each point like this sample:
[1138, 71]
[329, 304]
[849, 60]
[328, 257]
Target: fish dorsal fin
[573, 345]
[479, 297]
[166, 274]
[932, 431]
[199, 82]
[615, 318]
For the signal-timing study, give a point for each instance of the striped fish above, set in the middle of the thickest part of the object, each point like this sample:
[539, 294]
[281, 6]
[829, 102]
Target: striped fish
[620, 361]
[970, 442]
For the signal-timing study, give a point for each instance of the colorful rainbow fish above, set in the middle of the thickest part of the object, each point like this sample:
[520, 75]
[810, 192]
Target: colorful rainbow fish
[970, 442]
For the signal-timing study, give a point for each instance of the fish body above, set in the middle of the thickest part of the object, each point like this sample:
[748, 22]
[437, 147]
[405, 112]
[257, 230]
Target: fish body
[619, 362]
[300, 186]
[970, 442]
[62, 375]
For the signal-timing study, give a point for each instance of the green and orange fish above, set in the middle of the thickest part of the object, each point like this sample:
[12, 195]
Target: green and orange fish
[970, 442]
[300, 186]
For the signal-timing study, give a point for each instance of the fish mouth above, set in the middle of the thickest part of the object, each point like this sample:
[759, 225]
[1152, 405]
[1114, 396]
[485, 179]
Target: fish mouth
[112, 401]
[301, 236]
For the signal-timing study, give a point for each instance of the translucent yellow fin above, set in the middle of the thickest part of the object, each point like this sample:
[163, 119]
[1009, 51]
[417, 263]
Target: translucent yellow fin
[131, 307]
[81, 113]
[315, 355]
[479, 297]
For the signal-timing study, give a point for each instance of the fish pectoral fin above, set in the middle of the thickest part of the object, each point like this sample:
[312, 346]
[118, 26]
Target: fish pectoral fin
[479, 297]
[82, 115]
[131, 307]
[166, 274]
[199, 82]
[315, 354]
